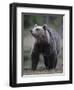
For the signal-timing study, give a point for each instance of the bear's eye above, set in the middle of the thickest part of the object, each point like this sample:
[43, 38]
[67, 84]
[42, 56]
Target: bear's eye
[37, 29]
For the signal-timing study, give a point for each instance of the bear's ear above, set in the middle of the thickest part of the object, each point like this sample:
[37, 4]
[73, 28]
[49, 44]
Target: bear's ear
[45, 26]
[35, 25]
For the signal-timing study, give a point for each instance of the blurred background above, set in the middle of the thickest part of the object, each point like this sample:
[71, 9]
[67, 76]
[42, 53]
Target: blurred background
[28, 21]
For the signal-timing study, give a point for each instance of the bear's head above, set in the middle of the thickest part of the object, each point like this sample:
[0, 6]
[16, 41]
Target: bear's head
[40, 33]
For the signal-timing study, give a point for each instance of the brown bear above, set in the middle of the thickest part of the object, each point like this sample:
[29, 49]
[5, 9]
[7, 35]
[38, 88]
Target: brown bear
[47, 43]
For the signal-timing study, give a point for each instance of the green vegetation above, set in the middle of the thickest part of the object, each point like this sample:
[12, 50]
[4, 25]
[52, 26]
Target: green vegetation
[54, 21]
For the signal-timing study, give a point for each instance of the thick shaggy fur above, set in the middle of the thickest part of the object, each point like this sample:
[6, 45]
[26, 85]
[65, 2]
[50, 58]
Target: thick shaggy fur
[46, 43]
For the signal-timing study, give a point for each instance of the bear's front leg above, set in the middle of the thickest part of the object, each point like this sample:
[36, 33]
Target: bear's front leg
[53, 61]
[50, 61]
[46, 61]
[35, 59]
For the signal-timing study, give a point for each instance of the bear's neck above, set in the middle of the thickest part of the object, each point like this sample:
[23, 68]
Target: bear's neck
[44, 39]
[43, 42]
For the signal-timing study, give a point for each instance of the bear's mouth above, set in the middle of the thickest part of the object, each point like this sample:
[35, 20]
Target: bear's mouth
[37, 36]
[34, 35]
[40, 38]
